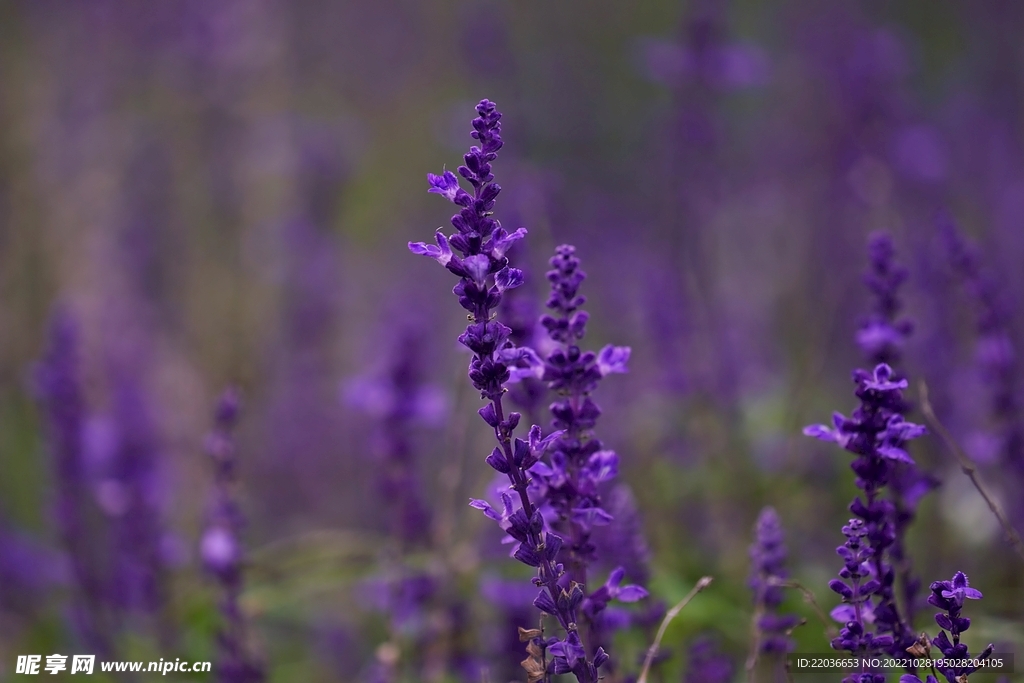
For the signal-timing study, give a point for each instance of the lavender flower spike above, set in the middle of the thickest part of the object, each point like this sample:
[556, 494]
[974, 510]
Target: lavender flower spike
[484, 274]
[579, 463]
[221, 549]
[876, 433]
[768, 557]
[949, 596]
[58, 387]
[882, 337]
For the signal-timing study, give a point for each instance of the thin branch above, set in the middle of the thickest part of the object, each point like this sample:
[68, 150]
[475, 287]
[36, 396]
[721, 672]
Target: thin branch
[704, 582]
[969, 468]
[755, 639]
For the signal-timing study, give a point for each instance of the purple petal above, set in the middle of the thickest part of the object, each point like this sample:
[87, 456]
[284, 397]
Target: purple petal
[603, 465]
[442, 253]
[477, 267]
[615, 578]
[508, 278]
[446, 185]
[486, 507]
[822, 432]
[612, 359]
[502, 245]
[894, 453]
[631, 593]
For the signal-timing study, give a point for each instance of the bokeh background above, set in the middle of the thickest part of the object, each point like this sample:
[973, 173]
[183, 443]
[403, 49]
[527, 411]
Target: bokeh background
[222, 192]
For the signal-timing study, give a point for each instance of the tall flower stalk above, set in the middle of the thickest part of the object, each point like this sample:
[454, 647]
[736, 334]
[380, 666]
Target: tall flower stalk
[882, 337]
[768, 560]
[570, 486]
[579, 462]
[876, 434]
[955, 660]
[484, 274]
[996, 355]
[221, 548]
[58, 385]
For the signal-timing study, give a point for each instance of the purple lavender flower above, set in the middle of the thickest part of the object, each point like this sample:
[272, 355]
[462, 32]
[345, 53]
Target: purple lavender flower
[707, 664]
[484, 274]
[996, 356]
[622, 542]
[768, 559]
[58, 385]
[519, 310]
[856, 586]
[221, 550]
[882, 336]
[28, 570]
[570, 483]
[876, 434]
[130, 497]
[949, 596]
[579, 462]
[399, 402]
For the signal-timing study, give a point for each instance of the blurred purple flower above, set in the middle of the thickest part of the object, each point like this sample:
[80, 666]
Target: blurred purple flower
[220, 547]
[995, 353]
[397, 403]
[882, 334]
[707, 663]
[920, 154]
[58, 386]
[28, 570]
[768, 558]
[725, 67]
[130, 495]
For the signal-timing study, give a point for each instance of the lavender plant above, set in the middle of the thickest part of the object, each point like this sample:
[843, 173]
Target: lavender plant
[221, 549]
[876, 434]
[949, 597]
[996, 355]
[768, 559]
[882, 337]
[569, 487]
[397, 402]
[484, 274]
[707, 664]
[130, 497]
[883, 334]
[58, 386]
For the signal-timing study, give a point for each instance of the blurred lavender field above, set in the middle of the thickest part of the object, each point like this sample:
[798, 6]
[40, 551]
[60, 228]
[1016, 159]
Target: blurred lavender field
[203, 195]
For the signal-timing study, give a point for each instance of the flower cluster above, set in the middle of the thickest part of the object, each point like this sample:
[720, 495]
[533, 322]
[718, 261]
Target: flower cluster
[856, 587]
[996, 355]
[707, 664]
[768, 559]
[881, 337]
[58, 386]
[397, 402]
[876, 434]
[579, 464]
[484, 274]
[949, 596]
[221, 549]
